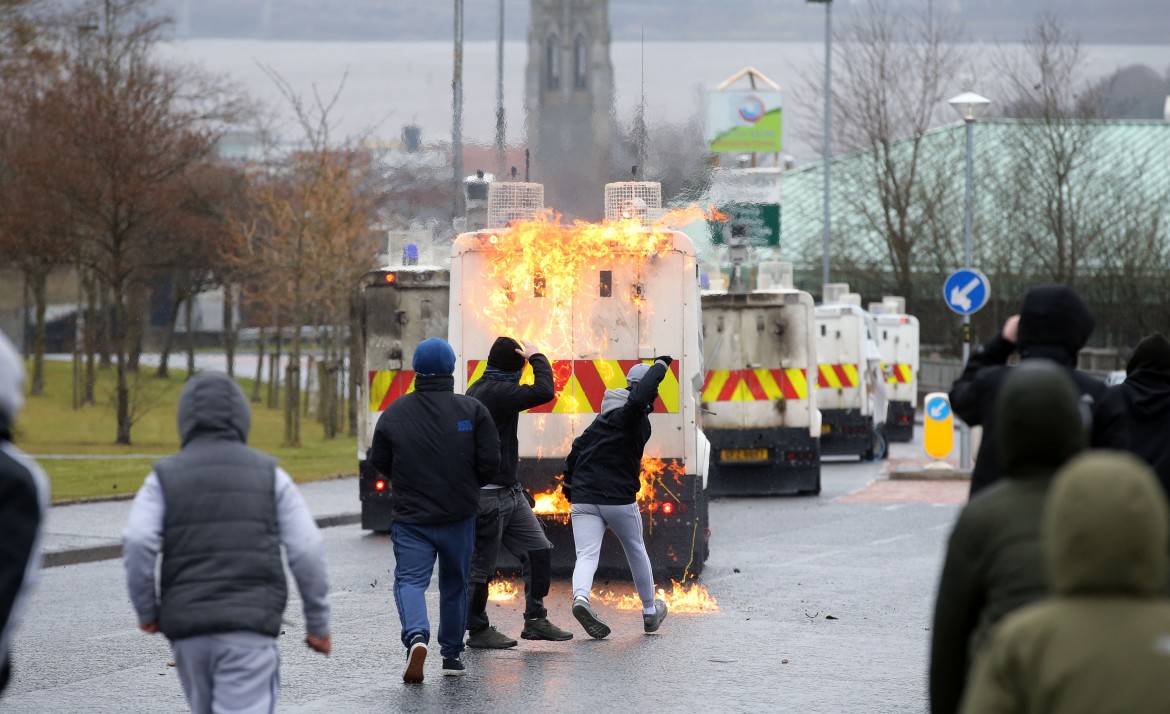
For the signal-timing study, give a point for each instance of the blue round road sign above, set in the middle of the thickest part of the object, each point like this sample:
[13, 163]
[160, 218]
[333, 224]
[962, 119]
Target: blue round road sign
[938, 409]
[966, 291]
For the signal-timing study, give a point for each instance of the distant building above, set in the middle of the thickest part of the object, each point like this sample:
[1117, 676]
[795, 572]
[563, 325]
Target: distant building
[569, 104]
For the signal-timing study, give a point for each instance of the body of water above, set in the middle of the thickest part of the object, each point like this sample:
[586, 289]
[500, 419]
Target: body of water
[389, 84]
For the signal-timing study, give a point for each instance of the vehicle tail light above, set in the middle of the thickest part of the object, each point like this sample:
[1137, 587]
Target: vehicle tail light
[379, 485]
[391, 277]
[667, 508]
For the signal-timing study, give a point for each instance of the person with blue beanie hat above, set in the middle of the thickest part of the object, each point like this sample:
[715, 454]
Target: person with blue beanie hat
[436, 448]
[434, 356]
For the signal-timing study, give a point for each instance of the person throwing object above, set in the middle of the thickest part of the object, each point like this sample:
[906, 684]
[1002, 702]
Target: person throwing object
[602, 481]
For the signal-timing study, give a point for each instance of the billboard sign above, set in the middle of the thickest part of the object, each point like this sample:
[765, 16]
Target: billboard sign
[743, 121]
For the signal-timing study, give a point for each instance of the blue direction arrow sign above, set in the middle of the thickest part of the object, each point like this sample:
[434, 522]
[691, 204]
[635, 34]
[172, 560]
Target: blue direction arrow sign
[966, 291]
[938, 408]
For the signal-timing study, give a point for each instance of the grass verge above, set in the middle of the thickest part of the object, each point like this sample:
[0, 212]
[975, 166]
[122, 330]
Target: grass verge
[49, 425]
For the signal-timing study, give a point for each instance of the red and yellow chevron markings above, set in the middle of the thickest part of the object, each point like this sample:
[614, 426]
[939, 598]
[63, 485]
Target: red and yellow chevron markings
[754, 385]
[898, 373]
[837, 376]
[387, 385]
[580, 384]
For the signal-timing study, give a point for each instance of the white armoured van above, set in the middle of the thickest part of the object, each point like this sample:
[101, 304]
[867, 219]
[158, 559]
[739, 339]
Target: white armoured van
[849, 386]
[897, 339]
[594, 317]
[759, 399]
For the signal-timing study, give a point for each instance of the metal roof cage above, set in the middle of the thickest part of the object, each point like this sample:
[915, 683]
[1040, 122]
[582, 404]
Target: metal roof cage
[633, 199]
[512, 201]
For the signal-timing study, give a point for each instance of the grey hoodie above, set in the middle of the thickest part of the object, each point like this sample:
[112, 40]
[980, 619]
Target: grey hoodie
[215, 409]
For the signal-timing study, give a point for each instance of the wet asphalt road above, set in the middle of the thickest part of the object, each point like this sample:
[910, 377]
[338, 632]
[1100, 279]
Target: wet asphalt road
[778, 567]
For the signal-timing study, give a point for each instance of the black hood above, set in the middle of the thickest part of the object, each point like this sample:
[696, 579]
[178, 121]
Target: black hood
[1152, 353]
[1038, 420]
[1054, 323]
[212, 404]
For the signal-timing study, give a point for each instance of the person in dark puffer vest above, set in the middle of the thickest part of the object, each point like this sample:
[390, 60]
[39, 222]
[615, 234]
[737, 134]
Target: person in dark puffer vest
[24, 502]
[218, 514]
[437, 449]
[505, 516]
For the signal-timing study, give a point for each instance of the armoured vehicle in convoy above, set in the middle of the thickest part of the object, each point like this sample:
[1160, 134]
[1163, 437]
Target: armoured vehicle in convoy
[758, 397]
[850, 387]
[897, 341]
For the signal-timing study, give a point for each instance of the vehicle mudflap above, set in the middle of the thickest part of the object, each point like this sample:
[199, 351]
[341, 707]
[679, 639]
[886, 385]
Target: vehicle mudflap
[792, 466]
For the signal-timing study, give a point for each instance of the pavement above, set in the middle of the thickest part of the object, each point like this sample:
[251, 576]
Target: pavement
[88, 532]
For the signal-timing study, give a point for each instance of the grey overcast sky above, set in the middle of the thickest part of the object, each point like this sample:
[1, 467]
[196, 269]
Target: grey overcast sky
[1116, 21]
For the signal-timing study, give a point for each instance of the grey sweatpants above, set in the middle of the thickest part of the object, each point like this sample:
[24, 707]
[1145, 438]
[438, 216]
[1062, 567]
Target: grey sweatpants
[229, 673]
[589, 524]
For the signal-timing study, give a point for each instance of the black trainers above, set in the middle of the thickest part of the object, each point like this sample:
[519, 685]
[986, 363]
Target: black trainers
[453, 668]
[596, 629]
[416, 657]
[539, 628]
[651, 622]
[489, 638]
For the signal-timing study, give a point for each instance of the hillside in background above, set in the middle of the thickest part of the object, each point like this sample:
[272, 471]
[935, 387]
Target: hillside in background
[1121, 21]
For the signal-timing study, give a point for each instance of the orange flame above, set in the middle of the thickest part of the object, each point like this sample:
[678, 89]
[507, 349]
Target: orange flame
[542, 258]
[689, 214]
[553, 501]
[688, 599]
[502, 590]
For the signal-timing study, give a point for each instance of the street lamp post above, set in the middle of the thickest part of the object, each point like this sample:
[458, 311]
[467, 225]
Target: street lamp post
[967, 105]
[826, 150]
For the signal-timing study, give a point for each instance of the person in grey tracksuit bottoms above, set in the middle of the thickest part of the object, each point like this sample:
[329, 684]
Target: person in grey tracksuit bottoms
[218, 514]
[602, 478]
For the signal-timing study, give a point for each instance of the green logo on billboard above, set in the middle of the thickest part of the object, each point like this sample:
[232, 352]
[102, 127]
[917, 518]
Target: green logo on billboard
[757, 223]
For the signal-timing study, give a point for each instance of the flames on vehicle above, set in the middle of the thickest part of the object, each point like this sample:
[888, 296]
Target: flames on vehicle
[541, 256]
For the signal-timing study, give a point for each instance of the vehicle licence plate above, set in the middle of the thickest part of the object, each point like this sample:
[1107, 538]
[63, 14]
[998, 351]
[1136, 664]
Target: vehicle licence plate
[744, 454]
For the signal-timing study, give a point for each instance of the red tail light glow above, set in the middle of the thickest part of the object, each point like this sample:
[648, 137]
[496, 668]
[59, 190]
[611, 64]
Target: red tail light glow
[667, 508]
[391, 277]
[379, 485]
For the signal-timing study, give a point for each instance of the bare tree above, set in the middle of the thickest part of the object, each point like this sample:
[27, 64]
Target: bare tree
[307, 229]
[1056, 170]
[893, 70]
[126, 128]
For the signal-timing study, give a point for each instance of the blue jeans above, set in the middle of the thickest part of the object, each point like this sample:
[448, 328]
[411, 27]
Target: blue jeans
[415, 549]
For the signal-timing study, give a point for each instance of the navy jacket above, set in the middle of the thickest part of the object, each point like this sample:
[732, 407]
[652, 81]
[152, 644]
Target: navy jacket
[437, 448]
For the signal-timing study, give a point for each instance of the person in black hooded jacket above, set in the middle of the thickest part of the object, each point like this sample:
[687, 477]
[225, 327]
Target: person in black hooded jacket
[505, 515]
[1054, 323]
[1135, 415]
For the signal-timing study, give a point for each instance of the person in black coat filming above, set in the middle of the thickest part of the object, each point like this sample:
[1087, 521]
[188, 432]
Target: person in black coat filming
[1054, 323]
[505, 510]
[602, 478]
[1135, 415]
